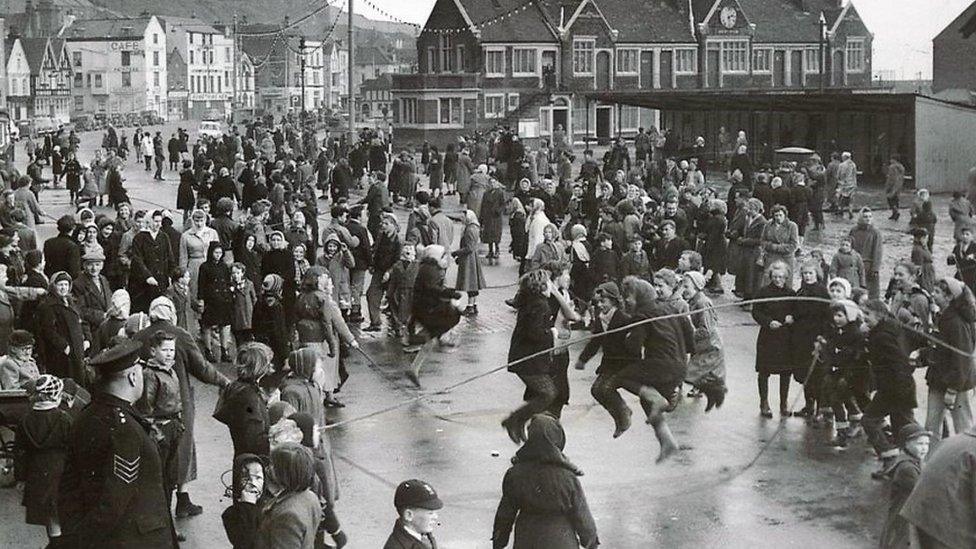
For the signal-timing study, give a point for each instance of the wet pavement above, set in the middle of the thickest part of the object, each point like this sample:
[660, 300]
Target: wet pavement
[740, 480]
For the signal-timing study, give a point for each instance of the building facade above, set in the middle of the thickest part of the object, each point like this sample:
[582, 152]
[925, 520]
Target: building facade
[375, 102]
[50, 78]
[177, 92]
[532, 66]
[954, 58]
[244, 102]
[18, 79]
[118, 66]
[209, 57]
[288, 65]
[337, 93]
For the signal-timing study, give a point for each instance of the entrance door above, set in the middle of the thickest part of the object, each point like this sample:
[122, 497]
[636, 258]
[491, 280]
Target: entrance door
[667, 69]
[837, 69]
[560, 117]
[647, 69]
[796, 69]
[604, 122]
[549, 68]
[779, 69]
[603, 70]
[714, 68]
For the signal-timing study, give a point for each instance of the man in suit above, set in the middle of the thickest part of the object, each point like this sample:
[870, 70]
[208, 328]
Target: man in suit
[91, 290]
[152, 261]
[61, 253]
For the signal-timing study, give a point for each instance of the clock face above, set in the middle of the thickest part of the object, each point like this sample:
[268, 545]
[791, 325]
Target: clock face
[728, 16]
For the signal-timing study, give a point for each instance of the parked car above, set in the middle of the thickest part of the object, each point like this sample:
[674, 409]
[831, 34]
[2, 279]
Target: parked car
[41, 125]
[211, 128]
[84, 122]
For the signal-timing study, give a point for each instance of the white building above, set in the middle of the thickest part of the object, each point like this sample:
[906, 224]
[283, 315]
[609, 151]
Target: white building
[18, 79]
[338, 77]
[119, 65]
[209, 57]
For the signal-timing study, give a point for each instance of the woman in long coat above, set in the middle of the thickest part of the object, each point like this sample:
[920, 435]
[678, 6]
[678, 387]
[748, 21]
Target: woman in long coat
[542, 496]
[185, 199]
[470, 278]
[213, 291]
[61, 332]
[780, 240]
[810, 320]
[773, 347]
[450, 170]
[517, 224]
[750, 253]
[492, 213]
[715, 249]
[707, 364]
[436, 171]
[320, 325]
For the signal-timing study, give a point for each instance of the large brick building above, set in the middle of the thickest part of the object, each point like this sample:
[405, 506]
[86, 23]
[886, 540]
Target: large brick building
[484, 62]
[954, 58]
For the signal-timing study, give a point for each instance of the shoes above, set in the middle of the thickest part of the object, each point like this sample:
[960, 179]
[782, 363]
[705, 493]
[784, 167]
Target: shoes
[511, 303]
[471, 310]
[765, 412]
[841, 440]
[186, 508]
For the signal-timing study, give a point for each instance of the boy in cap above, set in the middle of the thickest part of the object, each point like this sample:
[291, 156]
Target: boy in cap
[913, 441]
[417, 504]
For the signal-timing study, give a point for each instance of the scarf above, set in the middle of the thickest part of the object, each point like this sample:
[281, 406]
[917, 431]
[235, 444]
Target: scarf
[580, 249]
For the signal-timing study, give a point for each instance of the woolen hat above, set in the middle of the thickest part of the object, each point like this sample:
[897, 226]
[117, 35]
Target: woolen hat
[609, 290]
[416, 494]
[61, 276]
[272, 284]
[911, 431]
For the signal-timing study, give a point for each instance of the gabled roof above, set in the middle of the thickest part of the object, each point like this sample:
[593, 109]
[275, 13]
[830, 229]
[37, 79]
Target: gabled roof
[108, 28]
[647, 21]
[381, 82]
[191, 24]
[8, 47]
[773, 17]
[964, 24]
[35, 49]
[526, 25]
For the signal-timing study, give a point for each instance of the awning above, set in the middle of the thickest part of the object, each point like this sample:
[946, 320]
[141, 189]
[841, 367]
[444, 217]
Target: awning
[860, 101]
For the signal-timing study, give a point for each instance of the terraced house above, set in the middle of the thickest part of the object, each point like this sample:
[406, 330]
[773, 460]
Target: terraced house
[541, 64]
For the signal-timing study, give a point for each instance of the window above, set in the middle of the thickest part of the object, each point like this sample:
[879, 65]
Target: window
[450, 110]
[431, 60]
[191, 57]
[78, 80]
[811, 61]
[685, 61]
[523, 61]
[227, 54]
[447, 59]
[735, 56]
[227, 78]
[126, 58]
[98, 81]
[494, 62]
[583, 56]
[494, 106]
[629, 117]
[210, 84]
[76, 59]
[581, 115]
[628, 61]
[855, 55]
[408, 111]
[155, 38]
[460, 59]
[155, 58]
[79, 102]
[156, 78]
[218, 85]
[762, 60]
[190, 37]
[126, 79]
[513, 101]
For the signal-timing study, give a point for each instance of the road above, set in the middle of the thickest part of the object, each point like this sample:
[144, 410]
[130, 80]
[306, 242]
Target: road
[740, 481]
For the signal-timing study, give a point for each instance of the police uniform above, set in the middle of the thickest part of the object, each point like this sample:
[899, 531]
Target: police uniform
[112, 492]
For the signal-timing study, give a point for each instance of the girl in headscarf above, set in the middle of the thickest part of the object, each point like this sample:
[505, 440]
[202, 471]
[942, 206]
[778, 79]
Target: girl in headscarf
[320, 326]
[706, 369]
[215, 299]
[517, 228]
[542, 497]
[249, 495]
[268, 324]
[119, 311]
[582, 283]
[535, 226]
[435, 307]
[550, 249]
[470, 277]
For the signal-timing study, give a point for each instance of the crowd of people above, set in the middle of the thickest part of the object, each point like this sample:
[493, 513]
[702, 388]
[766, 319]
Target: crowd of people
[105, 324]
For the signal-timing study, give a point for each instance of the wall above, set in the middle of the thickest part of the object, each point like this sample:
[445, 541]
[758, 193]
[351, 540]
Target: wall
[943, 160]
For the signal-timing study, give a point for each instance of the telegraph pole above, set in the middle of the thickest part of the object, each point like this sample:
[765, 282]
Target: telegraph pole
[301, 61]
[352, 97]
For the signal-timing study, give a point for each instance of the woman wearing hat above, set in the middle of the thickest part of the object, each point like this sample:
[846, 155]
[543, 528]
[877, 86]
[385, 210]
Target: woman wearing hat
[320, 326]
[470, 278]
[194, 244]
[951, 375]
[706, 369]
[61, 333]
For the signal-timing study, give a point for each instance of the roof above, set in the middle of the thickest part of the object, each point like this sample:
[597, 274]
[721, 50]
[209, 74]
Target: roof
[647, 21]
[767, 100]
[373, 55]
[381, 82]
[171, 22]
[34, 50]
[771, 17]
[108, 28]
[8, 46]
[964, 23]
[527, 25]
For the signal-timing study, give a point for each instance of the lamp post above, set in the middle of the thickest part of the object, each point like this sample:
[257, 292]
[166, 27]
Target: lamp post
[823, 51]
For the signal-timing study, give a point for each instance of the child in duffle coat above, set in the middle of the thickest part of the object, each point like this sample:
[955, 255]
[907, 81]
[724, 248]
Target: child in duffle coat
[399, 290]
[848, 264]
[244, 296]
[338, 260]
[635, 262]
[842, 350]
[42, 444]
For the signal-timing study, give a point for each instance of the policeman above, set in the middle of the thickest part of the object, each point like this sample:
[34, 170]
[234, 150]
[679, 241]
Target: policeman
[417, 504]
[112, 490]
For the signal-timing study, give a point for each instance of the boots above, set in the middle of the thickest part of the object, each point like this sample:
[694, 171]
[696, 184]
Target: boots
[621, 421]
[842, 439]
[714, 390]
[186, 508]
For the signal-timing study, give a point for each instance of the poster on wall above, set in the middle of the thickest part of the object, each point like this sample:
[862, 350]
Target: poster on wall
[528, 129]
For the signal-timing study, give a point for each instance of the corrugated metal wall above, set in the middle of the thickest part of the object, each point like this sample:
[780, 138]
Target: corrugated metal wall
[945, 145]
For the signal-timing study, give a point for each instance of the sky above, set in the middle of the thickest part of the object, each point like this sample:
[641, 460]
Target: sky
[903, 29]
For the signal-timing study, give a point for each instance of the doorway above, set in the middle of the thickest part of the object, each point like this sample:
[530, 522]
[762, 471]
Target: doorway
[647, 70]
[714, 69]
[796, 69]
[603, 70]
[779, 69]
[604, 124]
[560, 117]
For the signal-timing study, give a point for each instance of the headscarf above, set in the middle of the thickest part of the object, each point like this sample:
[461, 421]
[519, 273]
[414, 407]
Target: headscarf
[122, 302]
[954, 285]
[272, 285]
[136, 323]
[303, 362]
[162, 308]
[843, 282]
[306, 424]
[851, 310]
[46, 392]
[697, 279]
[544, 444]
